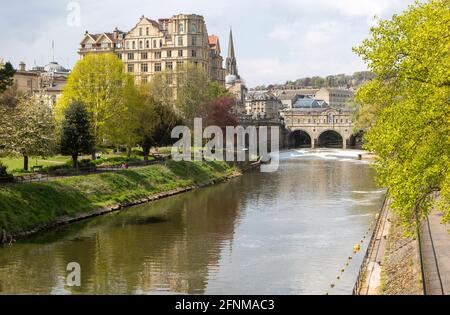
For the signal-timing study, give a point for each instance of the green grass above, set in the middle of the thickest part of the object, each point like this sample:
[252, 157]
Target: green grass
[23, 207]
[15, 164]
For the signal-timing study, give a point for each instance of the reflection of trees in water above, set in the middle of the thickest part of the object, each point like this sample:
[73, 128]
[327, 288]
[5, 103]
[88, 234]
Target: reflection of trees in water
[175, 243]
[167, 244]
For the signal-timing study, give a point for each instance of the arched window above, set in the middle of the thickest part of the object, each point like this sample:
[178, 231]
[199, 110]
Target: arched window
[193, 28]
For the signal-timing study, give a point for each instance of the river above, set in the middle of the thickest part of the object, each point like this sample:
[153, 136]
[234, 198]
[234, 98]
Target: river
[287, 232]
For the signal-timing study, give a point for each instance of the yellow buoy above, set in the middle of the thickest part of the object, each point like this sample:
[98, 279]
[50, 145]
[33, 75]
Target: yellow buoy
[356, 248]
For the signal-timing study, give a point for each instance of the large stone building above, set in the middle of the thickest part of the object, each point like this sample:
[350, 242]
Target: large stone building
[263, 105]
[335, 97]
[233, 81]
[49, 79]
[153, 46]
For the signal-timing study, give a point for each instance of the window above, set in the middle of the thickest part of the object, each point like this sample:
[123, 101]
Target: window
[130, 56]
[180, 53]
[194, 40]
[193, 28]
[144, 56]
[180, 28]
[104, 45]
[141, 45]
[88, 46]
[127, 45]
[133, 44]
[169, 54]
[194, 53]
[169, 65]
[119, 56]
[158, 55]
[147, 44]
[130, 68]
[157, 67]
[144, 79]
[160, 43]
[147, 31]
[179, 63]
[154, 43]
[180, 41]
[144, 67]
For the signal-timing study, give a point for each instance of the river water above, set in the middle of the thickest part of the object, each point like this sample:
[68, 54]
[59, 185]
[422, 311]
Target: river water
[288, 232]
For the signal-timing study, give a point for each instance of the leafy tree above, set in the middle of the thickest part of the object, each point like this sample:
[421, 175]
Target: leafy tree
[406, 108]
[98, 81]
[10, 97]
[28, 128]
[192, 86]
[6, 75]
[220, 112]
[156, 119]
[76, 136]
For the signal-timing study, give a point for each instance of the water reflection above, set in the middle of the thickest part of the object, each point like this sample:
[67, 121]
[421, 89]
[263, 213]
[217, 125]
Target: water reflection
[284, 232]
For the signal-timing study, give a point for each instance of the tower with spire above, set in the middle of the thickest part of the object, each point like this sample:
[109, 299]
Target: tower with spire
[233, 81]
[231, 64]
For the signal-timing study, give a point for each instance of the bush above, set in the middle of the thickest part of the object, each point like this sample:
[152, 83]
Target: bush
[3, 172]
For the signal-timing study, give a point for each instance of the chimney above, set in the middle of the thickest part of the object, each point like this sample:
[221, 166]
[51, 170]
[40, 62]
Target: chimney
[22, 66]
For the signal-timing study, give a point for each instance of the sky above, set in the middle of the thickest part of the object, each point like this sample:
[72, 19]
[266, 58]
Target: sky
[275, 40]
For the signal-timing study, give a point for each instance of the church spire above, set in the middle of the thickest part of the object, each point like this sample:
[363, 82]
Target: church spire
[231, 45]
[231, 58]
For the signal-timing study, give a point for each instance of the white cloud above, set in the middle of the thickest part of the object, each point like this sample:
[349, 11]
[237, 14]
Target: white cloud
[275, 40]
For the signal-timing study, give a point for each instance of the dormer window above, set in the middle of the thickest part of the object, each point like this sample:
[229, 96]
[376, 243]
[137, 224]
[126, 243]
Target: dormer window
[181, 28]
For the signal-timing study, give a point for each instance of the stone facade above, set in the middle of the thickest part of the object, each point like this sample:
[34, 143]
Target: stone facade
[314, 122]
[154, 46]
[233, 81]
[49, 79]
[334, 97]
[263, 105]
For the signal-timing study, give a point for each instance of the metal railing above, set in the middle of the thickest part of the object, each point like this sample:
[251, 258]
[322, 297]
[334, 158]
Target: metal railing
[370, 248]
[62, 173]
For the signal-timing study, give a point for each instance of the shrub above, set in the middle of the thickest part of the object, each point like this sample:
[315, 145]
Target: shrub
[3, 172]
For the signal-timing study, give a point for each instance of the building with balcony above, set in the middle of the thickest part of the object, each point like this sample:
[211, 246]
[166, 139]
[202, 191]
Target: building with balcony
[154, 46]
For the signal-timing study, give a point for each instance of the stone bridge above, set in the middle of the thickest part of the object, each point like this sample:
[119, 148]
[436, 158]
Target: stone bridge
[319, 127]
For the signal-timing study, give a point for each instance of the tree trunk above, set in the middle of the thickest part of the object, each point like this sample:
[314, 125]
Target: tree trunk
[93, 156]
[146, 152]
[129, 150]
[25, 162]
[75, 161]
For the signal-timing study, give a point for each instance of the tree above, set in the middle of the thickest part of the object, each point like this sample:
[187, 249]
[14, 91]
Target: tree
[192, 86]
[156, 119]
[6, 75]
[220, 112]
[29, 128]
[406, 109]
[98, 81]
[76, 136]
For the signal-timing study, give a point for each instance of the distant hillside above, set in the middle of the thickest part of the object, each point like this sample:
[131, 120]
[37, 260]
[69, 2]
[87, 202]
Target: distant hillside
[338, 80]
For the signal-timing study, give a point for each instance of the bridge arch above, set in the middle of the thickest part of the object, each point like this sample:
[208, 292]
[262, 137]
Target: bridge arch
[330, 139]
[300, 139]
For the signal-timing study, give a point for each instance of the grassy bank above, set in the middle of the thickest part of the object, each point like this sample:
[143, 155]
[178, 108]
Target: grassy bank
[401, 272]
[23, 207]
